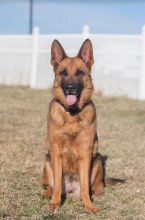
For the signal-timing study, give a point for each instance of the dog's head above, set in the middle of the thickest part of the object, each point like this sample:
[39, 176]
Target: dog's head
[72, 85]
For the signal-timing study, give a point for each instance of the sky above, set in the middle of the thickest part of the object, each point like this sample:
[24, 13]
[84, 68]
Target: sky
[68, 16]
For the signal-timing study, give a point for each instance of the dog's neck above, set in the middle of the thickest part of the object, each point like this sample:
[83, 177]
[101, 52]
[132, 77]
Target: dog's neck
[73, 110]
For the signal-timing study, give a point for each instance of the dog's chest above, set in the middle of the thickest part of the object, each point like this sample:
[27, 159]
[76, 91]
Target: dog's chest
[71, 126]
[72, 119]
[69, 156]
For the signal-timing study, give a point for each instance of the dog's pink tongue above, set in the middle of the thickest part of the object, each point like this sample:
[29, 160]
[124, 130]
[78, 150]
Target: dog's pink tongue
[71, 99]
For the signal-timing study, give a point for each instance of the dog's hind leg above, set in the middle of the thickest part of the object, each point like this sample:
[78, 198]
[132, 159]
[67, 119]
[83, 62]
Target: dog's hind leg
[97, 182]
[47, 179]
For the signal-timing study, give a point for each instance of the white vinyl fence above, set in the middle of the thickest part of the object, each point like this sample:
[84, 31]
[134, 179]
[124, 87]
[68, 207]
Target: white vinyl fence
[119, 68]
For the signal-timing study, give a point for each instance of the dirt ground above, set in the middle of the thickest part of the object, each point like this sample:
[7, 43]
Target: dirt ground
[121, 130]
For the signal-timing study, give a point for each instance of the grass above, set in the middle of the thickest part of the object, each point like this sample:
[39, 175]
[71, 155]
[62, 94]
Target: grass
[121, 129]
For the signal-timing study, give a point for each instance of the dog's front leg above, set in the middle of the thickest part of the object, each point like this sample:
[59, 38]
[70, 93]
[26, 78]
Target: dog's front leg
[57, 174]
[84, 169]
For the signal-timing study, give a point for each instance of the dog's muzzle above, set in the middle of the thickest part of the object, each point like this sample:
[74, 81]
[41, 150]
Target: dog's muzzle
[71, 89]
[72, 92]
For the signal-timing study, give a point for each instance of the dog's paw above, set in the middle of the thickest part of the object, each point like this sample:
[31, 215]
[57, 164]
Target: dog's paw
[46, 194]
[89, 209]
[99, 191]
[54, 205]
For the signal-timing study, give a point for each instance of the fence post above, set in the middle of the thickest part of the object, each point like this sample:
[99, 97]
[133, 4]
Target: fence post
[35, 42]
[86, 31]
[142, 78]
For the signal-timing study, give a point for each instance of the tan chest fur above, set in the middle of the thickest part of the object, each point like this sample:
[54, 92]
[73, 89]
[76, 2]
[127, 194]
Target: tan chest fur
[65, 132]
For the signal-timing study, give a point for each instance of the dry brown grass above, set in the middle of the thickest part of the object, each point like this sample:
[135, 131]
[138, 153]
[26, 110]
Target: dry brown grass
[121, 128]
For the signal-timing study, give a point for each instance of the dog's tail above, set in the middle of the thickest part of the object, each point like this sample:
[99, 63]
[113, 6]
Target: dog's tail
[110, 181]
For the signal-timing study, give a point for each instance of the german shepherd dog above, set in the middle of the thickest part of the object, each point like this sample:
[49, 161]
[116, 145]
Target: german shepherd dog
[72, 165]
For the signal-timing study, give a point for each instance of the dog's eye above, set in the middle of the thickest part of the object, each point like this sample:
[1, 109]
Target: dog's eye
[63, 73]
[79, 73]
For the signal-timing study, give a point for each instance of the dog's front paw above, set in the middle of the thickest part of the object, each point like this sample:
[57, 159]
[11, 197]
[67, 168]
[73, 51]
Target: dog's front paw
[46, 194]
[54, 205]
[89, 209]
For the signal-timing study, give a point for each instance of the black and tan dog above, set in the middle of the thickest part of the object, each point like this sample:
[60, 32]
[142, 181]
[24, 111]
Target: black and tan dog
[71, 166]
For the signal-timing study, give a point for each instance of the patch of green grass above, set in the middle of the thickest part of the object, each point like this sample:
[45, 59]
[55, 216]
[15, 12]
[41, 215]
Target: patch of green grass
[29, 212]
[113, 191]
[57, 217]
[68, 200]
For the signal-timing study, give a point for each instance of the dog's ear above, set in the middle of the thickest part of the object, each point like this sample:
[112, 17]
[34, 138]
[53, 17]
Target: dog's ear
[86, 53]
[57, 53]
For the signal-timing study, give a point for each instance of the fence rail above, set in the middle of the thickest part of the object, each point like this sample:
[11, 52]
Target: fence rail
[119, 67]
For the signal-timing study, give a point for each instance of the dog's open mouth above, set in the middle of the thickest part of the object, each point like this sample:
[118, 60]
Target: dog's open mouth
[72, 92]
[71, 99]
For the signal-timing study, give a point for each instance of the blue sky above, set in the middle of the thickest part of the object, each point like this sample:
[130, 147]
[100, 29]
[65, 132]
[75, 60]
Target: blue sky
[68, 16]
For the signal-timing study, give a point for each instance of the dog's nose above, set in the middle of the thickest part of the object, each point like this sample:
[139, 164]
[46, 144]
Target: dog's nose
[71, 88]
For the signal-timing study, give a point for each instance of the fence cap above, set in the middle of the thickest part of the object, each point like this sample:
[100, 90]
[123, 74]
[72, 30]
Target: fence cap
[36, 30]
[143, 28]
[86, 29]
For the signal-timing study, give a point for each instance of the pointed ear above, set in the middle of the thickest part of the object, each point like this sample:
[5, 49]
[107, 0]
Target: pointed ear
[57, 53]
[86, 53]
